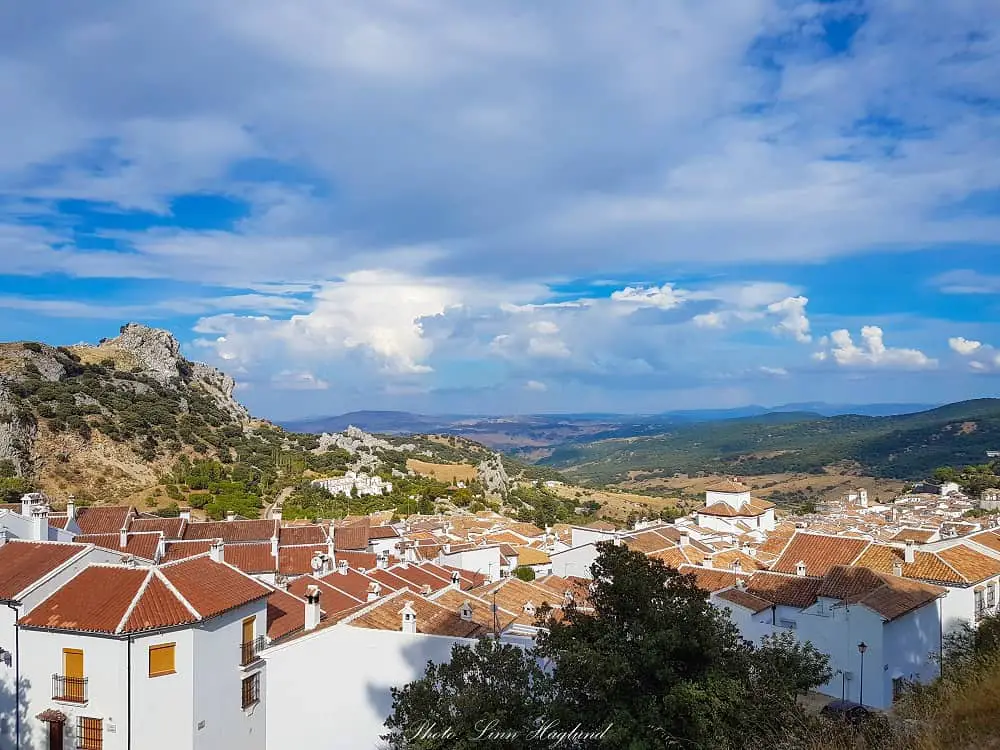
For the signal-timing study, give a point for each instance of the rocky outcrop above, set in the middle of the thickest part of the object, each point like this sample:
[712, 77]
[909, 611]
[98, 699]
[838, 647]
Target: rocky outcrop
[155, 351]
[220, 387]
[492, 475]
[354, 439]
[17, 432]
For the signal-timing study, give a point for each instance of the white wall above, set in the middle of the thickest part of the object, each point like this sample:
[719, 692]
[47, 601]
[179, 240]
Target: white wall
[580, 535]
[485, 560]
[575, 561]
[331, 689]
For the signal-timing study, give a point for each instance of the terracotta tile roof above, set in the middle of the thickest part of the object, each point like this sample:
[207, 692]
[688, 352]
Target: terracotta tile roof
[286, 614]
[920, 536]
[470, 579]
[648, 541]
[312, 534]
[24, 563]
[711, 580]
[382, 532]
[157, 607]
[989, 539]
[351, 537]
[890, 596]
[530, 556]
[387, 578]
[482, 610]
[819, 552]
[140, 545]
[744, 599]
[297, 561]
[183, 550]
[172, 528]
[926, 566]
[359, 560]
[355, 584]
[971, 565]
[110, 519]
[212, 588]
[789, 590]
[747, 510]
[331, 599]
[12, 507]
[726, 560]
[232, 531]
[95, 600]
[432, 618]
[504, 537]
[58, 520]
[514, 594]
[252, 557]
[558, 585]
[729, 485]
[418, 578]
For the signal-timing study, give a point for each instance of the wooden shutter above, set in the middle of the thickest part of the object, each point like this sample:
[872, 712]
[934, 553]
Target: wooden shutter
[161, 660]
[90, 733]
[73, 663]
[248, 629]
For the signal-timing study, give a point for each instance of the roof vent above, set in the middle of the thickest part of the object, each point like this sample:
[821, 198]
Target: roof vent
[312, 607]
[897, 568]
[466, 611]
[374, 590]
[800, 568]
[409, 615]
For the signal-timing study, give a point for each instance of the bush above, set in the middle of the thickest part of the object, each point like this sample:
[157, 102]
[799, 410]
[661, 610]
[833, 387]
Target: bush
[524, 573]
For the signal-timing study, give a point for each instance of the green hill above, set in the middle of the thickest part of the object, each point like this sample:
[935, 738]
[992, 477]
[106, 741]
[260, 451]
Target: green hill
[905, 447]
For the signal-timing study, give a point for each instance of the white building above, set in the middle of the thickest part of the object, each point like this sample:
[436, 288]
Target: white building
[160, 658]
[730, 509]
[353, 483]
[36, 521]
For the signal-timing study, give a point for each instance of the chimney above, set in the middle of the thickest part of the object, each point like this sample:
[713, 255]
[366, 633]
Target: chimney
[274, 546]
[741, 585]
[897, 568]
[456, 578]
[447, 548]
[800, 568]
[409, 618]
[708, 563]
[374, 591]
[312, 607]
[466, 611]
[425, 589]
[342, 567]
[185, 514]
[123, 538]
[230, 515]
[70, 508]
[129, 561]
[3, 535]
[276, 513]
[685, 538]
[217, 551]
[161, 547]
[382, 561]
[330, 550]
[40, 523]
[908, 552]
[737, 566]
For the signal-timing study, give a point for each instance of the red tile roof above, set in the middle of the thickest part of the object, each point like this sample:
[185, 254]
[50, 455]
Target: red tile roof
[728, 485]
[172, 528]
[157, 607]
[95, 600]
[331, 600]
[359, 560]
[103, 519]
[232, 531]
[351, 537]
[819, 552]
[297, 561]
[744, 599]
[382, 532]
[789, 590]
[140, 545]
[432, 618]
[183, 550]
[24, 563]
[418, 577]
[709, 579]
[252, 557]
[286, 614]
[356, 584]
[887, 595]
[212, 588]
[311, 534]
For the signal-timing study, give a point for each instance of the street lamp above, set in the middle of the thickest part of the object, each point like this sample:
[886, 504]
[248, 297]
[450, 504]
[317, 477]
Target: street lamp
[862, 647]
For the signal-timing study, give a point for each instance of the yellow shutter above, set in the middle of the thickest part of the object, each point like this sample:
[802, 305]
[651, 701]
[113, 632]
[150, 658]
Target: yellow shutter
[248, 629]
[73, 663]
[161, 659]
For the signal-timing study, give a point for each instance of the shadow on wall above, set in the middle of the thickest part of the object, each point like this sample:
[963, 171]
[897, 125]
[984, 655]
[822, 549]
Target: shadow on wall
[11, 707]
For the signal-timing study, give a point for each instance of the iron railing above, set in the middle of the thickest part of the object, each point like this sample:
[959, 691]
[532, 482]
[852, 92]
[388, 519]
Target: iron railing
[69, 688]
[250, 649]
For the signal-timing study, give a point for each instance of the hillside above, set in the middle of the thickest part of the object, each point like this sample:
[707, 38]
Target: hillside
[908, 446]
[131, 419]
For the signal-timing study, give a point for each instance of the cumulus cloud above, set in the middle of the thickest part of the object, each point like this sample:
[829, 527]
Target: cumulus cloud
[982, 357]
[664, 297]
[792, 311]
[872, 352]
[536, 385]
[298, 381]
[964, 346]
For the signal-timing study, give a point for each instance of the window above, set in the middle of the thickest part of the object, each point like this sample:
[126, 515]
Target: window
[248, 629]
[979, 603]
[790, 624]
[73, 685]
[161, 660]
[991, 595]
[89, 733]
[251, 690]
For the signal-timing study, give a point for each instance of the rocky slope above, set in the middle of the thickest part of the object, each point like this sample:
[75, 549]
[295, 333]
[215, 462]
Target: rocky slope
[105, 418]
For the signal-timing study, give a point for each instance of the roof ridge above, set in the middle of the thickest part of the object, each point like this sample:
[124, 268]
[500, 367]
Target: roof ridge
[135, 600]
[180, 597]
[868, 544]
[948, 565]
[377, 603]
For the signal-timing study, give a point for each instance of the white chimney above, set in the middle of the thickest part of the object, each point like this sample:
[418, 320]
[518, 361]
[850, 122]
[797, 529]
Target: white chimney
[466, 611]
[456, 578]
[122, 538]
[330, 549]
[70, 508]
[3, 535]
[161, 547]
[40, 523]
[276, 513]
[185, 514]
[342, 567]
[230, 515]
[217, 551]
[908, 552]
[685, 538]
[737, 566]
[274, 546]
[374, 591]
[741, 584]
[425, 589]
[129, 561]
[800, 568]
[708, 563]
[312, 607]
[409, 618]
[897, 568]
[382, 561]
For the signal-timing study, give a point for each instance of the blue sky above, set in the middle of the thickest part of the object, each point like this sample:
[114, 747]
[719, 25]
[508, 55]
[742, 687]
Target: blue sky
[514, 207]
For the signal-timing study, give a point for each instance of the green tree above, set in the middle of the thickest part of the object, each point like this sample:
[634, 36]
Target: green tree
[524, 573]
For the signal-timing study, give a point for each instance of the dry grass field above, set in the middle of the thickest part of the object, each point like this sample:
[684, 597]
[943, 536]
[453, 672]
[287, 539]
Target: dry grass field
[617, 504]
[442, 472]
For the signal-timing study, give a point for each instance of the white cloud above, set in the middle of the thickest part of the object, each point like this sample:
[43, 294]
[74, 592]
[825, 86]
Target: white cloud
[964, 346]
[872, 352]
[793, 317]
[664, 297]
[298, 381]
[778, 372]
[536, 385]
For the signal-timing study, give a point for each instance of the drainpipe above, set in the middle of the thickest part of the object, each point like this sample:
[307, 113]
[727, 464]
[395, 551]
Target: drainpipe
[17, 677]
[128, 710]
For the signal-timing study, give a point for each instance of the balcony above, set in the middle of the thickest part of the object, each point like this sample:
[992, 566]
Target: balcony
[250, 649]
[71, 689]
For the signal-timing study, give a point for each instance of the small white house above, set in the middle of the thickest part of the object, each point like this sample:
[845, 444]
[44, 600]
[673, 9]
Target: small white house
[730, 509]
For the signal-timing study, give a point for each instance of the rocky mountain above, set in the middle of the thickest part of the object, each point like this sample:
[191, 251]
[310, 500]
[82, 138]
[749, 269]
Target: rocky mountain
[91, 416]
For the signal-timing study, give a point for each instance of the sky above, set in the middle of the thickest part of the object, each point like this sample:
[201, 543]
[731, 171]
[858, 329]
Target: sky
[512, 207]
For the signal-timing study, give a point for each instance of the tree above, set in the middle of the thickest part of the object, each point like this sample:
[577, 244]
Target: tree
[650, 663]
[485, 689]
[524, 573]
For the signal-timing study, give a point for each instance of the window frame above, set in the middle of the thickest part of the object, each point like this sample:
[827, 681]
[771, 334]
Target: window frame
[172, 646]
[92, 740]
[250, 691]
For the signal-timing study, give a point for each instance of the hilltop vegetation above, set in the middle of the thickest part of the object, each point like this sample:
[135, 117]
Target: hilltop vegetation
[905, 447]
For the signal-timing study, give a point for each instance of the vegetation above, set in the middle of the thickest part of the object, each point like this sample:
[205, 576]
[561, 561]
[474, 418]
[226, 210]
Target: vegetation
[524, 573]
[908, 446]
[654, 665]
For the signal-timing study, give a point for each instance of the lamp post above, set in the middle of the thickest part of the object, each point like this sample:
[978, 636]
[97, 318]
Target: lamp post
[862, 647]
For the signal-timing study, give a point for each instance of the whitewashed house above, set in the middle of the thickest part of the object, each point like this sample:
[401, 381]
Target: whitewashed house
[158, 658]
[729, 508]
[35, 521]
